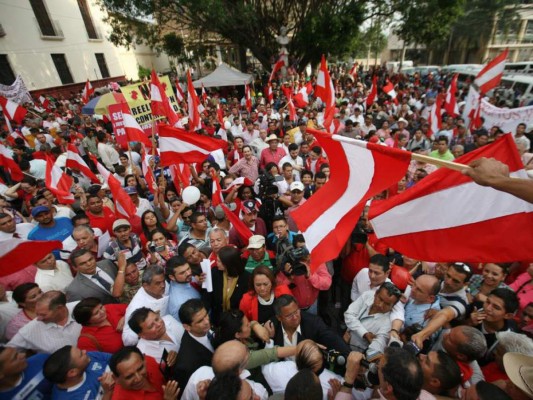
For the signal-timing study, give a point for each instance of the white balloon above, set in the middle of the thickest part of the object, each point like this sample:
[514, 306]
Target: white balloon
[191, 195]
[227, 125]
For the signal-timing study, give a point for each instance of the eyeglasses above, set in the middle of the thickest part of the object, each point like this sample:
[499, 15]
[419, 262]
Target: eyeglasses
[392, 289]
[292, 315]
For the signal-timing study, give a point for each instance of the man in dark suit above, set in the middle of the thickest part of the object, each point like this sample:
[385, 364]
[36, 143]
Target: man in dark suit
[292, 326]
[93, 279]
[196, 349]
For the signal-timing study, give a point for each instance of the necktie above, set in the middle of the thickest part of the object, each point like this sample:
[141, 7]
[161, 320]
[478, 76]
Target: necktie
[102, 281]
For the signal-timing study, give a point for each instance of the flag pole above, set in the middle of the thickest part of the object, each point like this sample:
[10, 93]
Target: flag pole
[439, 163]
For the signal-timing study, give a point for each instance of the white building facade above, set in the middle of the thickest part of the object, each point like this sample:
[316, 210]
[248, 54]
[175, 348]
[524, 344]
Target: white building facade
[52, 43]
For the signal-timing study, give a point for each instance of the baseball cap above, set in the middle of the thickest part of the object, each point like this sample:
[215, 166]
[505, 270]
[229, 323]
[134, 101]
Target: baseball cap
[297, 186]
[119, 223]
[130, 190]
[39, 209]
[256, 242]
[248, 206]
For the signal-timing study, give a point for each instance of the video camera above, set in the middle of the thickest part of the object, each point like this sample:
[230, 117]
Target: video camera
[334, 361]
[293, 256]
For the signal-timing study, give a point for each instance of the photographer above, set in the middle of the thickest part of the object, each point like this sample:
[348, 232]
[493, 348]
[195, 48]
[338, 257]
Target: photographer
[296, 273]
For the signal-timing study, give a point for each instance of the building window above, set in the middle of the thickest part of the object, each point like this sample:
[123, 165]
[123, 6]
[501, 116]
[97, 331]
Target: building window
[87, 20]
[62, 68]
[100, 59]
[7, 77]
[43, 19]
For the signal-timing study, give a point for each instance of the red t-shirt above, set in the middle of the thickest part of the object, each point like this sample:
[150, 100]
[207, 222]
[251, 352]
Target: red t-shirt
[104, 223]
[109, 340]
[155, 377]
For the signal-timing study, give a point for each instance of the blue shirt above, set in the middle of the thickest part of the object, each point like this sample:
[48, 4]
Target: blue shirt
[178, 294]
[61, 230]
[414, 313]
[90, 387]
[33, 385]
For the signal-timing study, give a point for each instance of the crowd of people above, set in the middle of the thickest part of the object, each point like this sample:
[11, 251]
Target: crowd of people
[177, 303]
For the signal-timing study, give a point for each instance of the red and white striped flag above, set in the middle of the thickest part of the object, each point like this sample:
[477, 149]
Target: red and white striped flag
[491, 74]
[216, 196]
[179, 91]
[179, 146]
[124, 206]
[17, 254]
[371, 98]
[44, 102]
[435, 118]
[87, 92]
[279, 64]
[301, 99]
[269, 95]
[353, 71]
[193, 105]
[474, 223]
[248, 97]
[362, 170]
[325, 90]
[134, 132]
[58, 182]
[389, 90]
[181, 176]
[148, 173]
[159, 101]
[12, 111]
[9, 164]
[292, 110]
[242, 230]
[451, 101]
[204, 94]
[74, 161]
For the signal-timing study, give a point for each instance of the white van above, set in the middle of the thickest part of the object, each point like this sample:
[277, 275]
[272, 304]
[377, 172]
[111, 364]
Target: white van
[394, 66]
[525, 68]
[516, 87]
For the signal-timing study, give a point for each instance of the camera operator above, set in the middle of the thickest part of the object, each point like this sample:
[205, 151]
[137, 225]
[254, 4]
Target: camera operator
[305, 285]
[400, 376]
[368, 319]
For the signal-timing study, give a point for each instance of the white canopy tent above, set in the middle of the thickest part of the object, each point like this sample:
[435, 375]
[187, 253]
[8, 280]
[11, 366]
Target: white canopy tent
[224, 75]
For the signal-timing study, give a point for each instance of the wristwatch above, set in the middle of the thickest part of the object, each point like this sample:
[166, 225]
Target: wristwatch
[347, 385]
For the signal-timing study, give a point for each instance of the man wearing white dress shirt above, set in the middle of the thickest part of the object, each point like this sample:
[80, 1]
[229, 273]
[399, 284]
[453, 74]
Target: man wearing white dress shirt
[229, 356]
[153, 294]
[308, 355]
[156, 334]
[10, 229]
[53, 328]
[52, 274]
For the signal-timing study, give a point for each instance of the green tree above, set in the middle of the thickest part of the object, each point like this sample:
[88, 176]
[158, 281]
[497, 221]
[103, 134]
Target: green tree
[428, 22]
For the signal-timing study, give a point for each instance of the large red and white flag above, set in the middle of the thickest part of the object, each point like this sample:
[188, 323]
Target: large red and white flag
[74, 161]
[58, 182]
[447, 217]
[160, 103]
[435, 118]
[362, 170]
[179, 91]
[9, 164]
[301, 99]
[179, 146]
[134, 132]
[193, 105]
[124, 206]
[451, 101]
[325, 90]
[87, 92]
[371, 98]
[17, 254]
[491, 74]
[280, 64]
[248, 98]
[12, 111]
[390, 91]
